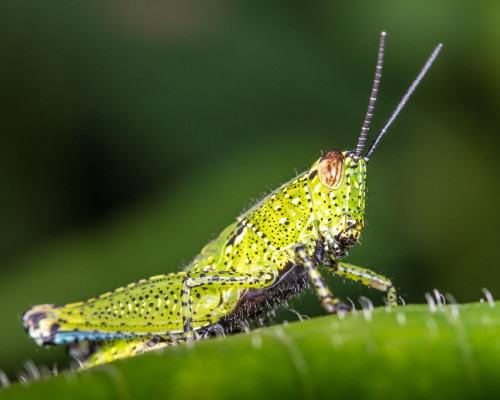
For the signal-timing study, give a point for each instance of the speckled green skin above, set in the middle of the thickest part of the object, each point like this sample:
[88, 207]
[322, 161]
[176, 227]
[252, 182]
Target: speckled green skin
[285, 227]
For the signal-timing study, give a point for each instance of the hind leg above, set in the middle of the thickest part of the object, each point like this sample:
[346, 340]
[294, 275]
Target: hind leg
[118, 349]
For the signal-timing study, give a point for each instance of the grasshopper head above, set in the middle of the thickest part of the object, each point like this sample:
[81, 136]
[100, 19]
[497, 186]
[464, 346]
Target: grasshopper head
[337, 183]
[337, 180]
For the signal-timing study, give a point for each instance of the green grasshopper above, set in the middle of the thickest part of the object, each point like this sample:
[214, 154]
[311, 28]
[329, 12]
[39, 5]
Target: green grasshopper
[267, 256]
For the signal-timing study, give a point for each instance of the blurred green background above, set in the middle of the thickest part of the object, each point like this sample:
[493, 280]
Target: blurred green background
[133, 132]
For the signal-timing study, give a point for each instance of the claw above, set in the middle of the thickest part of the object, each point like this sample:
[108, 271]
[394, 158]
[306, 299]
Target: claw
[334, 306]
[342, 308]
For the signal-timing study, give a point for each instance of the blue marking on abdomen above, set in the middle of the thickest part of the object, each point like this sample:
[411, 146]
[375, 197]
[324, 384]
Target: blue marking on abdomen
[70, 337]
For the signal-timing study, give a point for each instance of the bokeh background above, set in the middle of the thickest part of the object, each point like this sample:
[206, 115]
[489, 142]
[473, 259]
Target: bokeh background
[132, 132]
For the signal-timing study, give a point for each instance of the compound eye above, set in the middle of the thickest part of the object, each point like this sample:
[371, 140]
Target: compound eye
[331, 169]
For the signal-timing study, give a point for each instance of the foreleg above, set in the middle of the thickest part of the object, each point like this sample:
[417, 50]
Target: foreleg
[367, 278]
[330, 304]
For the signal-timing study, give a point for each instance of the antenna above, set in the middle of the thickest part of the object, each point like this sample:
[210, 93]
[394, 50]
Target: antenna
[403, 101]
[373, 97]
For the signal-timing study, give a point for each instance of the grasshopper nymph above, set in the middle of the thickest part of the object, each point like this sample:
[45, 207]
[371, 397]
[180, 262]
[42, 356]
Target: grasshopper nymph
[268, 255]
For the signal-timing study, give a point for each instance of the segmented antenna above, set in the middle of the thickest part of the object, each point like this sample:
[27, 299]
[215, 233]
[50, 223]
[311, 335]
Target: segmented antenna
[373, 97]
[403, 101]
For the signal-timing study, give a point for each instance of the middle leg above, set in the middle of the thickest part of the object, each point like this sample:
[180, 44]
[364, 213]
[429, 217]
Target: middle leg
[258, 278]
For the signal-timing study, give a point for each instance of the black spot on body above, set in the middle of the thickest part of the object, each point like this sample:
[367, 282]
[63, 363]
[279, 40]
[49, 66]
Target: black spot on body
[231, 240]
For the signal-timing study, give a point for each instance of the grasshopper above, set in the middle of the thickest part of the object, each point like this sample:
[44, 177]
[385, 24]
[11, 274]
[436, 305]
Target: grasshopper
[265, 257]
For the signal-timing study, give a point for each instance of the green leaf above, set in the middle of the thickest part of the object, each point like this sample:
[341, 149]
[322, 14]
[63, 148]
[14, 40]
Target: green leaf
[416, 351]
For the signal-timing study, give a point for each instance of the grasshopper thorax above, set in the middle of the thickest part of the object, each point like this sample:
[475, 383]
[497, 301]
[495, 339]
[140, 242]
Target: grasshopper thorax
[337, 183]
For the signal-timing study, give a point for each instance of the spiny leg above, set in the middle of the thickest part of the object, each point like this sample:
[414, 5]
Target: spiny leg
[330, 304]
[220, 279]
[368, 278]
